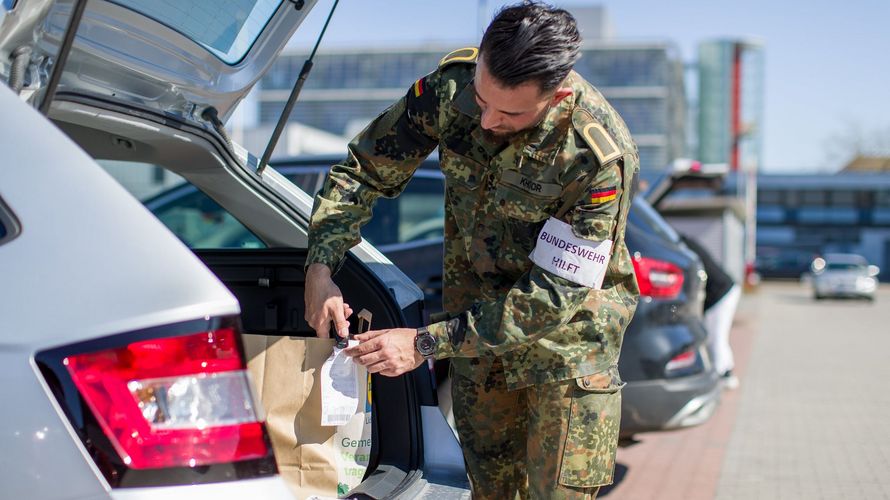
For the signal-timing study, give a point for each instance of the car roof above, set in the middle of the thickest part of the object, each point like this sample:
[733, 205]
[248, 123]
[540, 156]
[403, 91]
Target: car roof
[845, 258]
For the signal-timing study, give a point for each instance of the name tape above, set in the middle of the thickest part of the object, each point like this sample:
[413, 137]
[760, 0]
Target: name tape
[580, 261]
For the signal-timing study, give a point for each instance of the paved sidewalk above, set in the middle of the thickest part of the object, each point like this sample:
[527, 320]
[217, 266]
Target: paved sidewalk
[685, 464]
[811, 419]
[814, 416]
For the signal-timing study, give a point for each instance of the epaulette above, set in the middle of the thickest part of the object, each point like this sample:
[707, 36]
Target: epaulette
[466, 54]
[595, 135]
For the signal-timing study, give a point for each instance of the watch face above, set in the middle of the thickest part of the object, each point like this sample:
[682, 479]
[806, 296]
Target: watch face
[426, 344]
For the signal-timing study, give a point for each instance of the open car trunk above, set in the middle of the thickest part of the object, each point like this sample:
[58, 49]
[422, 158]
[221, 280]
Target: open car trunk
[269, 282]
[269, 285]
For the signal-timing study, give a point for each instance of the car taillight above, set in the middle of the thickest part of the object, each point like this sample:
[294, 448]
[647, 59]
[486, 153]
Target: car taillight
[657, 278]
[173, 402]
[681, 361]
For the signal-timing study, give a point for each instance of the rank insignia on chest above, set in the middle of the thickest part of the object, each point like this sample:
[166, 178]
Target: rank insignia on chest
[418, 87]
[603, 195]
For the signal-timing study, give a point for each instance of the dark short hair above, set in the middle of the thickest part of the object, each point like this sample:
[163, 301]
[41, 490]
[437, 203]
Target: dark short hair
[531, 42]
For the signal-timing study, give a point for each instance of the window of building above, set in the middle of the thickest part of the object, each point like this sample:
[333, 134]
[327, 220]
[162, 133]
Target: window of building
[815, 198]
[843, 198]
[652, 157]
[827, 215]
[770, 214]
[775, 235]
[881, 215]
[643, 116]
[769, 197]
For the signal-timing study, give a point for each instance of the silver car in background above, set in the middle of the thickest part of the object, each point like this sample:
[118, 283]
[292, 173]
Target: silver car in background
[843, 275]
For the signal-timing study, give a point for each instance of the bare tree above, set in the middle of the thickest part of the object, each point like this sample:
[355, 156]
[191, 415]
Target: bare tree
[855, 140]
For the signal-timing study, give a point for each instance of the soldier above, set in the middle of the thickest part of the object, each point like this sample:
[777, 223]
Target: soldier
[538, 281]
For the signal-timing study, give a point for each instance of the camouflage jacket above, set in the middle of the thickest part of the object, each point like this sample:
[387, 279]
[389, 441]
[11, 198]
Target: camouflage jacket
[543, 327]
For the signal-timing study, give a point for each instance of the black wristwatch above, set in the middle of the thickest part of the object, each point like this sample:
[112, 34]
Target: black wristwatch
[425, 343]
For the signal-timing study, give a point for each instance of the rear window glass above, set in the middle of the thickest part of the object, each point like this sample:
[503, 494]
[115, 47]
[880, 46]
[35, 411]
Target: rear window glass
[200, 222]
[642, 214]
[844, 266]
[189, 213]
[417, 215]
[227, 28]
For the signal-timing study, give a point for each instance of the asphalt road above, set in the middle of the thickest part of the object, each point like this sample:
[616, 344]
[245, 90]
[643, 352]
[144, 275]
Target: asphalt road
[811, 418]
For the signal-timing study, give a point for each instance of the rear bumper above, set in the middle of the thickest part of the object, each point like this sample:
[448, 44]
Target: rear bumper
[844, 289]
[653, 405]
[269, 487]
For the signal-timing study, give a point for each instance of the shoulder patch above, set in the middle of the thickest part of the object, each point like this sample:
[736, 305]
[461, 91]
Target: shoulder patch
[466, 54]
[595, 135]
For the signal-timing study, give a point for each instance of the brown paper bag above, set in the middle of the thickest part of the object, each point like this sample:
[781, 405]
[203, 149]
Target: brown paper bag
[311, 458]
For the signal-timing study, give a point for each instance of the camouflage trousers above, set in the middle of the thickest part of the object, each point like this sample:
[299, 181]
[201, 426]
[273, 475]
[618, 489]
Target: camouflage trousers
[550, 441]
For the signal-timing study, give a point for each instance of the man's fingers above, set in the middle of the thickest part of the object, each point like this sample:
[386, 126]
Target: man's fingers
[378, 367]
[363, 348]
[368, 359]
[340, 322]
[372, 334]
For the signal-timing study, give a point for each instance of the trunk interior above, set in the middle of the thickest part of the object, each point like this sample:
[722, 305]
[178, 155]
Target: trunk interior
[269, 285]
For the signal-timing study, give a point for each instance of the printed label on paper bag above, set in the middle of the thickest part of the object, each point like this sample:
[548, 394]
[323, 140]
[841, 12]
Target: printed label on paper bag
[339, 388]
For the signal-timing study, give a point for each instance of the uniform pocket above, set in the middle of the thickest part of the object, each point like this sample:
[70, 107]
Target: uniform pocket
[515, 204]
[522, 217]
[592, 225]
[588, 457]
[462, 180]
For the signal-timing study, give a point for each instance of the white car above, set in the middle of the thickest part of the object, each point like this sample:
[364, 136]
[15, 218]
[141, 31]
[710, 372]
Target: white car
[844, 275]
[103, 308]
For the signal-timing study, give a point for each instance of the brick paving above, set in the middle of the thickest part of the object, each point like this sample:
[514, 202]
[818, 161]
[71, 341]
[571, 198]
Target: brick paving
[685, 463]
[810, 420]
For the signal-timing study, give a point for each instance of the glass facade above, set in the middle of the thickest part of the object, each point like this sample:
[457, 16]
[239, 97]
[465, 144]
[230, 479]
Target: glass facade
[346, 90]
[730, 114]
[625, 67]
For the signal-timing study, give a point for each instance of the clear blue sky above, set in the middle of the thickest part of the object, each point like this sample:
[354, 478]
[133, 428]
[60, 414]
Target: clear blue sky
[827, 62]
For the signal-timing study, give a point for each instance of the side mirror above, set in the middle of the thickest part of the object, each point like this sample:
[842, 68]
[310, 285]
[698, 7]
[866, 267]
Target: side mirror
[874, 271]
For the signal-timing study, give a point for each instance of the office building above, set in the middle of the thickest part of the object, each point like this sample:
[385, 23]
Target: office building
[730, 103]
[802, 216]
[348, 88]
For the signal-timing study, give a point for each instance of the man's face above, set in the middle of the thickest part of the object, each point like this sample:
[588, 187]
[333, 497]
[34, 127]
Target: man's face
[505, 110]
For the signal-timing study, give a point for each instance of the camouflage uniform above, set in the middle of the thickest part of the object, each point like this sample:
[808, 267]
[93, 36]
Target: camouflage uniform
[534, 338]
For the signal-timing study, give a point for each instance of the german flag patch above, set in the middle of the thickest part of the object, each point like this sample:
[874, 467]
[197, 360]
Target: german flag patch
[418, 87]
[603, 195]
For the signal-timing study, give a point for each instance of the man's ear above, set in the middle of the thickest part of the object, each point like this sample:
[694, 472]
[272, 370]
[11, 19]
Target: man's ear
[560, 94]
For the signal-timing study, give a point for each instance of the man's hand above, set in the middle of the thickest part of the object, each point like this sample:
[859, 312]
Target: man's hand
[387, 352]
[324, 303]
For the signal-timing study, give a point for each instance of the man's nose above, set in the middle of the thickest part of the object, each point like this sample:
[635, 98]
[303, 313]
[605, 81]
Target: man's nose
[489, 119]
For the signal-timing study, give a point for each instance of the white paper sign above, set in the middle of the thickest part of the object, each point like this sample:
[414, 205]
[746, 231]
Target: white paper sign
[580, 261]
[339, 388]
